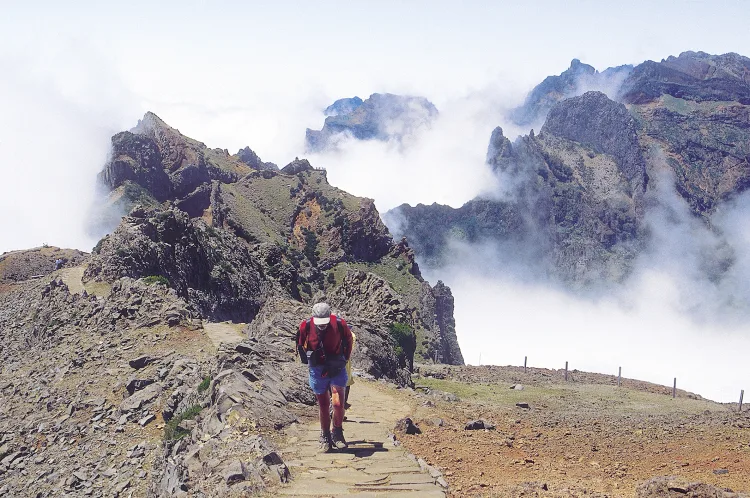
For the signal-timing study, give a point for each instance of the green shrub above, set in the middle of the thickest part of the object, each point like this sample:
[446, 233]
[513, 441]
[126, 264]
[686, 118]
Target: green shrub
[98, 247]
[204, 385]
[405, 343]
[156, 279]
[174, 433]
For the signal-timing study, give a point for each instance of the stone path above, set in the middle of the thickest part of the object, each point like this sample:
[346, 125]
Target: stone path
[224, 332]
[73, 278]
[371, 467]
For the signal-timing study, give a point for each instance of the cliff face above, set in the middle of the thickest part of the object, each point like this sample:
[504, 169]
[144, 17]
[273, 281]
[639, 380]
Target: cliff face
[241, 230]
[578, 203]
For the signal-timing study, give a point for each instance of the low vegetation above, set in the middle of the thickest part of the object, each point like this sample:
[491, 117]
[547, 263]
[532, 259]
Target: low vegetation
[173, 431]
[204, 385]
[156, 279]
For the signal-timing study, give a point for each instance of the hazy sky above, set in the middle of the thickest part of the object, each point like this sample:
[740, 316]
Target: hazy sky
[258, 73]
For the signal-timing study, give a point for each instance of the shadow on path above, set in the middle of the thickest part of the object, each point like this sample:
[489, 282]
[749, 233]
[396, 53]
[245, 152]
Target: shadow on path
[371, 467]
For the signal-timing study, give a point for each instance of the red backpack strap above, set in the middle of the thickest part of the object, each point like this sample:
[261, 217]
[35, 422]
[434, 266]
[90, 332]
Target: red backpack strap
[307, 332]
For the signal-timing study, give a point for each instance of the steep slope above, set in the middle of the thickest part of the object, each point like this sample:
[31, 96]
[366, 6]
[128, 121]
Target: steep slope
[579, 190]
[109, 368]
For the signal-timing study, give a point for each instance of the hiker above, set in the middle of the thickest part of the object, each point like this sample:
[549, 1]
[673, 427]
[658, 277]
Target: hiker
[58, 263]
[324, 342]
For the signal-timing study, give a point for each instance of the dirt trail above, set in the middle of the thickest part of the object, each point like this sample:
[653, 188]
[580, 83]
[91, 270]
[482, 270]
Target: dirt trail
[73, 278]
[371, 467]
[224, 332]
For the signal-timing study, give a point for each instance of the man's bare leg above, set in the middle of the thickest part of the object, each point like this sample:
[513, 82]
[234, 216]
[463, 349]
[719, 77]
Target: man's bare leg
[338, 405]
[337, 434]
[325, 422]
[323, 409]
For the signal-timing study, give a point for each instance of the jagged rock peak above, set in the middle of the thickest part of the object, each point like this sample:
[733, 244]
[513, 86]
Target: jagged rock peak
[575, 80]
[249, 157]
[149, 122]
[297, 166]
[499, 147]
[604, 125]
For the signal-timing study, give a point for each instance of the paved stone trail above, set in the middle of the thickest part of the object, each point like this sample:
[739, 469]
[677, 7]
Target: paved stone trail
[371, 467]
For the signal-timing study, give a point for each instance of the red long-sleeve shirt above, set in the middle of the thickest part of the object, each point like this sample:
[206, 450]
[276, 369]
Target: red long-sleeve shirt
[332, 337]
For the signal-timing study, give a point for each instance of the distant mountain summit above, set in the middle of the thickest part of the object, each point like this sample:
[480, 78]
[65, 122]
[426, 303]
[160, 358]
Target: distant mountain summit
[576, 80]
[380, 117]
[582, 190]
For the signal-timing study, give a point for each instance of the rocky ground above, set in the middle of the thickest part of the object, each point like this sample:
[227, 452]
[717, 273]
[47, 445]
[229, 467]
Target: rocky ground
[122, 390]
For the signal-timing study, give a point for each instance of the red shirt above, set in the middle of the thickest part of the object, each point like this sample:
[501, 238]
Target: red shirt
[331, 337]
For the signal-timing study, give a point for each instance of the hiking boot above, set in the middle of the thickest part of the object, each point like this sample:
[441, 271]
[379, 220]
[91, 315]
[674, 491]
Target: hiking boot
[338, 438]
[325, 442]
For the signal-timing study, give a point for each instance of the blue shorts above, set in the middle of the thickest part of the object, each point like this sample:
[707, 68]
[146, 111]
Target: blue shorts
[320, 384]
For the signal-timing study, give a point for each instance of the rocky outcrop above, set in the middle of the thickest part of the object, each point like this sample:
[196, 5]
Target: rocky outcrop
[573, 216]
[16, 266]
[380, 117]
[156, 160]
[607, 127]
[669, 486]
[250, 158]
[695, 76]
[212, 270]
[450, 352]
[576, 80]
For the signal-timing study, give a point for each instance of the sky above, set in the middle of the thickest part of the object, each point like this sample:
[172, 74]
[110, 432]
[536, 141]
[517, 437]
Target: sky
[233, 74]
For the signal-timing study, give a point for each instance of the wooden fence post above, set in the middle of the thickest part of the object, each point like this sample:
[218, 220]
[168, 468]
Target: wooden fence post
[742, 395]
[566, 370]
[619, 377]
[524, 363]
[674, 388]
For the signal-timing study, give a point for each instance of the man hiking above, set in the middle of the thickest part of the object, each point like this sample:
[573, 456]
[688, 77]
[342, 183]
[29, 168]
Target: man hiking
[325, 344]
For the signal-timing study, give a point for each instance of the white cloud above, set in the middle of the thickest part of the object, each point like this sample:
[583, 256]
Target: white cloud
[59, 111]
[683, 312]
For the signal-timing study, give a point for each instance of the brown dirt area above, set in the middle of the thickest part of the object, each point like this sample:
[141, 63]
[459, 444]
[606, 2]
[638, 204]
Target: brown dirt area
[587, 438]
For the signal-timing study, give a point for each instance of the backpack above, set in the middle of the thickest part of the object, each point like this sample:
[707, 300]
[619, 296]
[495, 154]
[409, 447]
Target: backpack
[318, 357]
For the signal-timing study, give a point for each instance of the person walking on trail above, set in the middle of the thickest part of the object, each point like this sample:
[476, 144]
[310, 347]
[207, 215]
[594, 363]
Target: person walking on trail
[324, 342]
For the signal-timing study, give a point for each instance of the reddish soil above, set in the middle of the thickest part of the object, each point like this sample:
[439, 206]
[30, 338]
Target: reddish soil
[577, 446]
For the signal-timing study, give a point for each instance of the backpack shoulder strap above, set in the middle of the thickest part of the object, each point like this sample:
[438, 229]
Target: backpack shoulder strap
[307, 332]
[340, 328]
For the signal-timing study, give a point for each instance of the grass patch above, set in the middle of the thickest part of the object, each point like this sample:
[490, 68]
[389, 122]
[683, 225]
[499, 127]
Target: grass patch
[172, 431]
[156, 279]
[204, 385]
[401, 280]
[99, 289]
[571, 397]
